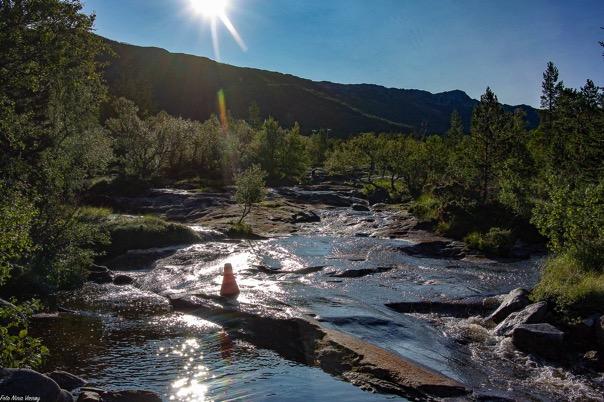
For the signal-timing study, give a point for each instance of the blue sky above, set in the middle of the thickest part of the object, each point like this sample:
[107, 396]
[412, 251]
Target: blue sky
[436, 45]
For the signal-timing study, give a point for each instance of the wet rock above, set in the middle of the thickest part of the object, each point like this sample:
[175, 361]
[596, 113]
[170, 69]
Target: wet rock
[122, 280]
[358, 273]
[436, 249]
[594, 359]
[360, 207]
[301, 271]
[62, 309]
[517, 299]
[45, 316]
[22, 383]
[493, 395]
[66, 380]
[461, 308]
[98, 277]
[309, 270]
[540, 339]
[325, 196]
[305, 217]
[100, 274]
[532, 314]
[127, 301]
[303, 340]
[186, 302]
[98, 268]
[130, 396]
[89, 396]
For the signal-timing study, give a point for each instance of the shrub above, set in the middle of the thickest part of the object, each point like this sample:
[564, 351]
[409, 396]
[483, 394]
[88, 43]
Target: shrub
[496, 241]
[17, 348]
[574, 290]
[426, 207]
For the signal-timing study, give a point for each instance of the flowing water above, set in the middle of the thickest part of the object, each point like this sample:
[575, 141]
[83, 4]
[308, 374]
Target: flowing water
[129, 339]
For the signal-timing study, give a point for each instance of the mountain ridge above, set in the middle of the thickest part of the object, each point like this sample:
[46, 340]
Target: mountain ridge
[187, 85]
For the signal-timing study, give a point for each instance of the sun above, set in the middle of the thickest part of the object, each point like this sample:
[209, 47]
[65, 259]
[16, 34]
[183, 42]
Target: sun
[215, 12]
[210, 8]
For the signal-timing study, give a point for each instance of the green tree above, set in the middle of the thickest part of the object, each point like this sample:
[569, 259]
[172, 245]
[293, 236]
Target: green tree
[51, 143]
[17, 348]
[550, 88]
[250, 189]
[456, 130]
[487, 133]
[293, 157]
[16, 215]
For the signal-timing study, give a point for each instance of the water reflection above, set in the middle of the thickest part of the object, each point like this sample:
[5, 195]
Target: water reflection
[192, 386]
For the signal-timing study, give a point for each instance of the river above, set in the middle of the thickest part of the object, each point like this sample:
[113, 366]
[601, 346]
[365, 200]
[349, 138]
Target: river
[335, 271]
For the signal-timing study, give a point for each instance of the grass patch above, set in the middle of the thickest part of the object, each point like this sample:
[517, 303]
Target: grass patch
[395, 194]
[496, 241]
[130, 233]
[425, 208]
[573, 289]
[94, 214]
[240, 229]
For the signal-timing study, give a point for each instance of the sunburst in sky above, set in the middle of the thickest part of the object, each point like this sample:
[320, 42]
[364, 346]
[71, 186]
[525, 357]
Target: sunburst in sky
[215, 12]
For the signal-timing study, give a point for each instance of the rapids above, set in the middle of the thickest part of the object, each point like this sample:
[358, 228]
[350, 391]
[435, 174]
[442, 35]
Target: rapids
[338, 271]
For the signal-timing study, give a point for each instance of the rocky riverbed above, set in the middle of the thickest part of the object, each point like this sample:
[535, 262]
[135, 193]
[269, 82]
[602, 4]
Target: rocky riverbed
[340, 299]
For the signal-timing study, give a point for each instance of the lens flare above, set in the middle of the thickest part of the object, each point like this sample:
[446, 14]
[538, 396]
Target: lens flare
[216, 12]
[209, 8]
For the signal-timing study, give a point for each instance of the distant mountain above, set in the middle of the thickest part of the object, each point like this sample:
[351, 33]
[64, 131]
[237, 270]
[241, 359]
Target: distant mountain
[187, 86]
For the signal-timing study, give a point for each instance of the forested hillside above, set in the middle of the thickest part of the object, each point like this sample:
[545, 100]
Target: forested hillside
[187, 86]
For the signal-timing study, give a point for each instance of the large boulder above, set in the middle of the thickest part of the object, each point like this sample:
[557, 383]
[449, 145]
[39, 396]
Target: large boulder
[531, 314]
[540, 339]
[66, 380]
[516, 300]
[22, 383]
